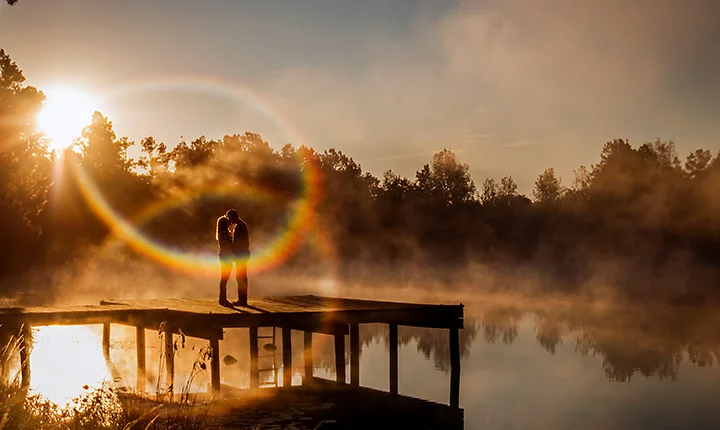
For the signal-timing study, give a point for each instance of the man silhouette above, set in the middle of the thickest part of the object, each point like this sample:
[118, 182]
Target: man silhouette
[233, 239]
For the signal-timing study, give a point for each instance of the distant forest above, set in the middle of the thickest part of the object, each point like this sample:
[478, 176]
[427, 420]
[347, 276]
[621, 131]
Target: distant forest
[640, 220]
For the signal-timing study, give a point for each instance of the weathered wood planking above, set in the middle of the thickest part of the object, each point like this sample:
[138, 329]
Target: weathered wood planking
[70, 315]
[296, 311]
[206, 318]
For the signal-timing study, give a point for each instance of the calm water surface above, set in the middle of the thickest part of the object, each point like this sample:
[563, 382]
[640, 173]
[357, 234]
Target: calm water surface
[546, 366]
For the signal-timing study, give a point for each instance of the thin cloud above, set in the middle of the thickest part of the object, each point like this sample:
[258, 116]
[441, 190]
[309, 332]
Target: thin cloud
[531, 71]
[517, 144]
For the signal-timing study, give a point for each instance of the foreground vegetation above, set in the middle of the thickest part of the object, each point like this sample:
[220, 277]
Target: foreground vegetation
[104, 407]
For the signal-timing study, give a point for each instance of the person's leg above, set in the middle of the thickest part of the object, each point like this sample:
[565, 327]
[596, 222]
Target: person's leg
[242, 280]
[225, 270]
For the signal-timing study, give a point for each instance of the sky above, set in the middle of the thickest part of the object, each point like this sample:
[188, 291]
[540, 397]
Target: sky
[513, 86]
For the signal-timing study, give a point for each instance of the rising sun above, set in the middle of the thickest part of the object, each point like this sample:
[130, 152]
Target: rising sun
[66, 112]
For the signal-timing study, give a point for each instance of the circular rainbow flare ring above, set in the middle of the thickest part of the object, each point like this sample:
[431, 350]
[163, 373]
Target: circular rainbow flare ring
[300, 223]
[301, 220]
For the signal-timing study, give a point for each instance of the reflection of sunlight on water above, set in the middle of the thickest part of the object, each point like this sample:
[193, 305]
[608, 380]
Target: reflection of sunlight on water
[297, 378]
[64, 359]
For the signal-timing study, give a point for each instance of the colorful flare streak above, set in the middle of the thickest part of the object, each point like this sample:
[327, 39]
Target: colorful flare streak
[269, 255]
[300, 222]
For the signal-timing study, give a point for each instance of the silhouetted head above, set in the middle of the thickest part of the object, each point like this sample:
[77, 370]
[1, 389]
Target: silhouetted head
[233, 216]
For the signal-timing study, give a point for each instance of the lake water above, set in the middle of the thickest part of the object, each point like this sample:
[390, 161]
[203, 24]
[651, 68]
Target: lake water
[542, 365]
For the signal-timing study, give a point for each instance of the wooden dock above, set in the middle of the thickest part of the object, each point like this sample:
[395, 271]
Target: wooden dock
[206, 319]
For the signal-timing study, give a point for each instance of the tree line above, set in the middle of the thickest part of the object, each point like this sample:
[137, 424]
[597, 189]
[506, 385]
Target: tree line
[640, 219]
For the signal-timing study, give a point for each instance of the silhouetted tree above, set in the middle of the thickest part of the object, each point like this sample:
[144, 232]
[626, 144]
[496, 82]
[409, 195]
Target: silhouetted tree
[446, 181]
[154, 159]
[104, 155]
[547, 189]
[697, 162]
[503, 193]
[25, 168]
[577, 194]
[198, 152]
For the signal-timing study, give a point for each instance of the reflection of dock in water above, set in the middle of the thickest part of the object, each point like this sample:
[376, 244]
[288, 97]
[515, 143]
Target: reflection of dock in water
[205, 319]
[321, 400]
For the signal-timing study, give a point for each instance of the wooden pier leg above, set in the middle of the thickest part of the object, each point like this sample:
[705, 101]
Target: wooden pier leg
[287, 356]
[454, 367]
[307, 352]
[25, 345]
[393, 346]
[355, 355]
[106, 341]
[215, 365]
[254, 374]
[141, 382]
[169, 361]
[340, 357]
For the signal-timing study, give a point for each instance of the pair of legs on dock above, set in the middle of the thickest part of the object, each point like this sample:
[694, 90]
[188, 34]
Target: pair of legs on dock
[226, 266]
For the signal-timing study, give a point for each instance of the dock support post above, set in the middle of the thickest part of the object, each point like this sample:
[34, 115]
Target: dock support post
[393, 346]
[106, 341]
[454, 367]
[287, 356]
[254, 373]
[215, 365]
[355, 355]
[340, 357]
[141, 367]
[25, 345]
[169, 361]
[307, 354]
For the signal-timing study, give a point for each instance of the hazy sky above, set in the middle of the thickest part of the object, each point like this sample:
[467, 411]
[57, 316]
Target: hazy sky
[514, 86]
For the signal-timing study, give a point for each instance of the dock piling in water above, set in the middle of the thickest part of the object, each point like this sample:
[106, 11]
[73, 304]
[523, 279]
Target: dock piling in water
[205, 319]
[215, 365]
[355, 355]
[25, 346]
[169, 360]
[308, 357]
[454, 367]
[287, 356]
[340, 357]
[106, 341]
[254, 372]
[141, 354]
[393, 347]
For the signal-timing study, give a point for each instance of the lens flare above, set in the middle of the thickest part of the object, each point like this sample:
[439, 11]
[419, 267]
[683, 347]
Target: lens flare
[242, 95]
[300, 221]
[268, 255]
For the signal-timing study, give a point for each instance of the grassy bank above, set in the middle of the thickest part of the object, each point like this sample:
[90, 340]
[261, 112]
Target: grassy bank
[102, 408]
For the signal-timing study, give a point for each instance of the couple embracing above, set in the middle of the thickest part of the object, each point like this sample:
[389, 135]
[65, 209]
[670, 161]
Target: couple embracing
[233, 240]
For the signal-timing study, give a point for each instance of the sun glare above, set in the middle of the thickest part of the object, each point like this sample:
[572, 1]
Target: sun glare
[66, 112]
[65, 359]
